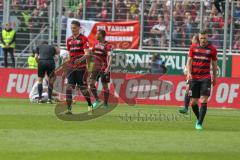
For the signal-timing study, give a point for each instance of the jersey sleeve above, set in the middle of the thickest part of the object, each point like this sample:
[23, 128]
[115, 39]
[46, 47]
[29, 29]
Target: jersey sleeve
[94, 47]
[190, 54]
[109, 47]
[214, 54]
[68, 44]
[86, 43]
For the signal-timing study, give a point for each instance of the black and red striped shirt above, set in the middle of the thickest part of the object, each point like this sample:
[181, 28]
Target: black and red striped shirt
[202, 57]
[76, 47]
[100, 53]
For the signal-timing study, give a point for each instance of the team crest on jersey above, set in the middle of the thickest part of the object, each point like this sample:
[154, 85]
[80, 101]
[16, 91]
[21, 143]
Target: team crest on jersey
[100, 46]
[75, 41]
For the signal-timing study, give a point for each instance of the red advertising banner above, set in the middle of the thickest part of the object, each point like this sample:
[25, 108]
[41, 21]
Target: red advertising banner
[133, 88]
[122, 35]
[235, 66]
[17, 83]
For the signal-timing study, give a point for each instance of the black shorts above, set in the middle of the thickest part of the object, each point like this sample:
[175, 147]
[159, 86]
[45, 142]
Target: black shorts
[46, 66]
[105, 77]
[199, 88]
[77, 77]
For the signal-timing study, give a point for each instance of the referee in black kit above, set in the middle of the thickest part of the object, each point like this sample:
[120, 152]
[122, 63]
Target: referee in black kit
[44, 55]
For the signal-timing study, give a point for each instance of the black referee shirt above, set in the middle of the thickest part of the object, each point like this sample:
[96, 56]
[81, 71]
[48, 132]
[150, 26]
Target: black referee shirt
[46, 52]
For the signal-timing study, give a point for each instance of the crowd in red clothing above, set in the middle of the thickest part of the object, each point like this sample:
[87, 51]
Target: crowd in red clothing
[186, 18]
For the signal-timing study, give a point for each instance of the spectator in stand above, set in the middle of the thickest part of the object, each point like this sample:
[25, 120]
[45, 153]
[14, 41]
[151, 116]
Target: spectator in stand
[42, 4]
[15, 14]
[236, 45]
[31, 4]
[136, 17]
[80, 11]
[70, 14]
[193, 10]
[159, 30]
[92, 9]
[220, 6]
[237, 16]
[184, 16]
[152, 16]
[188, 25]
[23, 30]
[179, 9]
[166, 16]
[178, 36]
[216, 21]
[44, 19]
[34, 27]
[103, 15]
[74, 4]
[215, 39]
[121, 10]
[15, 18]
[177, 19]
[133, 7]
[153, 11]
[237, 10]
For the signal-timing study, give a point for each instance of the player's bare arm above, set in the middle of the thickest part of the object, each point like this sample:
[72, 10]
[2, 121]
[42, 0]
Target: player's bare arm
[214, 68]
[37, 58]
[87, 56]
[109, 62]
[37, 55]
[189, 68]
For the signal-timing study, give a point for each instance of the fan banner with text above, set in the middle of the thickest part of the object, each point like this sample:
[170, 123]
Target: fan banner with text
[122, 35]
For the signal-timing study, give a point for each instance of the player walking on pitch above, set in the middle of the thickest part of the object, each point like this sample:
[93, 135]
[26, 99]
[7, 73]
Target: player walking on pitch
[200, 58]
[102, 60]
[78, 48]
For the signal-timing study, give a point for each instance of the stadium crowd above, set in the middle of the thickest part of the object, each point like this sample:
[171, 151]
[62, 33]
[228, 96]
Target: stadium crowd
[31, 16]
[186, 19]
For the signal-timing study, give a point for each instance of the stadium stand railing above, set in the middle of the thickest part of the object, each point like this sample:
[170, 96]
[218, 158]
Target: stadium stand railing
[177, 21]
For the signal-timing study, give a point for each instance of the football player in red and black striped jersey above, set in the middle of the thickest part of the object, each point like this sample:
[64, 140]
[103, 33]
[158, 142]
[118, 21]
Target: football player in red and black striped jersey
[78, 48]
[102, 59]
[201, 57]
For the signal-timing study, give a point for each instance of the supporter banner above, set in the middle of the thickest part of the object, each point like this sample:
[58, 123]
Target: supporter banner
[140, 62]
[123, 35]
[132, 88]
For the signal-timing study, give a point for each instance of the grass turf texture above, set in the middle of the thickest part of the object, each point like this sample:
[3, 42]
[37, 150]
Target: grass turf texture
[32, 131]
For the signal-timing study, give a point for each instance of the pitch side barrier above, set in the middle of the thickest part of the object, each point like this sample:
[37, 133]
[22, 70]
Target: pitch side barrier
[139, 61]
[151, 89]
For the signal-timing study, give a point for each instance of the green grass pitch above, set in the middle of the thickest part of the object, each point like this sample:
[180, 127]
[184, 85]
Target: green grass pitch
[32, 131]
